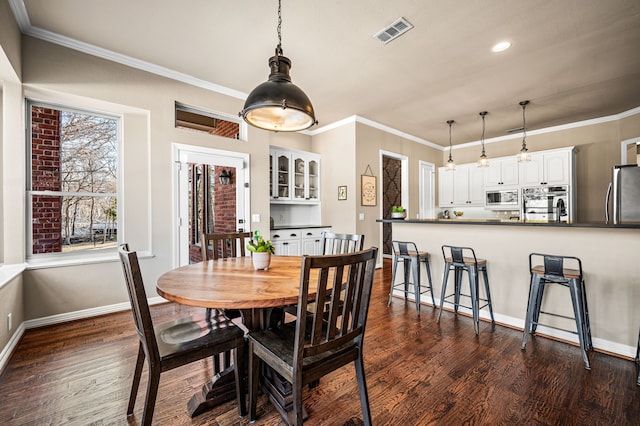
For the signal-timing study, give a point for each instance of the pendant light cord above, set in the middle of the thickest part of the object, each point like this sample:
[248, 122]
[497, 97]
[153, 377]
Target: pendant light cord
[450, 123]
[483, 114]
[524, 125]
[279, 48]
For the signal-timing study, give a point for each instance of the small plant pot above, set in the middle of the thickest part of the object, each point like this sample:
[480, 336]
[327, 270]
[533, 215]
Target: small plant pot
[261, 261]
[398, 215]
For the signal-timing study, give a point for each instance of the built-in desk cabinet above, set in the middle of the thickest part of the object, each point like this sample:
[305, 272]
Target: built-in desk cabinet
[298, 241]
[294, 176]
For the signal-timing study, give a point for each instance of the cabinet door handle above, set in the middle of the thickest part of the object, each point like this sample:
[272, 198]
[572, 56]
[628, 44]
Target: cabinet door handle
[309, 233]
[293, 235]
[285, 244]
[276, 236]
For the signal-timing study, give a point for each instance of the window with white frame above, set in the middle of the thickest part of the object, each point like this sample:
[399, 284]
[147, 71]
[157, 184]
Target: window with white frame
[72, 181]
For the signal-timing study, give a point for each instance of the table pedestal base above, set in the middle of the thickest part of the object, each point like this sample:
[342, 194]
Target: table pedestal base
[280, 394]
[221, 388]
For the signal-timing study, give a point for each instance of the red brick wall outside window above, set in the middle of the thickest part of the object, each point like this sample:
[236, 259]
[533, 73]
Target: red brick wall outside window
[45, 172]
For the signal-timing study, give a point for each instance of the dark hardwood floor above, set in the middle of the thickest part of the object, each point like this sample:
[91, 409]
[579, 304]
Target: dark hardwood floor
[418, 373]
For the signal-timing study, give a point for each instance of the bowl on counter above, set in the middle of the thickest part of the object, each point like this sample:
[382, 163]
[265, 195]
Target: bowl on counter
[458, 214]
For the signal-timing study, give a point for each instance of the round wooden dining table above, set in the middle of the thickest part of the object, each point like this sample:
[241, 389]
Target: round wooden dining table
[233, 283]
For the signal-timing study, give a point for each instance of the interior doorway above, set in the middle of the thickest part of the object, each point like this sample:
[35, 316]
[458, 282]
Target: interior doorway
[427, 188]
[212, 196]
[395, 192]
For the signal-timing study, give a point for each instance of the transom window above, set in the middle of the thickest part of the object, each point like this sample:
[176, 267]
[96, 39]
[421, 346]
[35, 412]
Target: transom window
[72, 188]
[207, 122]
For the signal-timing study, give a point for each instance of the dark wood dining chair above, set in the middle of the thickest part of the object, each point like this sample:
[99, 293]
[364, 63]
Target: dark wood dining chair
[304, 351]
[341, 243]
[176, 343]
[223, 245]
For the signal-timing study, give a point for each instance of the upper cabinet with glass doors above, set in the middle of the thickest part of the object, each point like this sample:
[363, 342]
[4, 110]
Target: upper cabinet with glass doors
[295, 176]
[280, 175]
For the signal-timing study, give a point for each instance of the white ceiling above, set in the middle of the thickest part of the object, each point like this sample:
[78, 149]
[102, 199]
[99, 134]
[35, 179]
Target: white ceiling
[573, 59]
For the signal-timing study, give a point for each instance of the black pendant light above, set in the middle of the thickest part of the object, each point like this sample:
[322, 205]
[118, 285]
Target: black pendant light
[483, 161]
[450, 164]
[523, 155]
[278, 104]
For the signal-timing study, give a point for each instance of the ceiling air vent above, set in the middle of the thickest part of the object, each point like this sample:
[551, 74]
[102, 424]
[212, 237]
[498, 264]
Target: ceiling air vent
[393, 31]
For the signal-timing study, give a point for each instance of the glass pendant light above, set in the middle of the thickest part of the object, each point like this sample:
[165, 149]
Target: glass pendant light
[278, 104]
[523, 155]
[483, 161]
[450, 164]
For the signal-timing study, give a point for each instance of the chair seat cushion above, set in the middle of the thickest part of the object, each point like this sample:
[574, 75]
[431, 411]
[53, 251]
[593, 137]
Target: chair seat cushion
[196, 335]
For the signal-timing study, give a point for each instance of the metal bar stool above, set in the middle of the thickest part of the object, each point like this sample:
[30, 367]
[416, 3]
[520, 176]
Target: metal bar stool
[407, 253]
[553, 271]
[455, 260]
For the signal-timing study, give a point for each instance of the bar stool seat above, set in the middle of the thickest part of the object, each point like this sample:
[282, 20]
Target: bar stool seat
[407, 252]
[459, 260]
[553, 271]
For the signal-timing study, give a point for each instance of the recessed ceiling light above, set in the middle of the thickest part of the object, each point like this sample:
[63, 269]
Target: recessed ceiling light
[499, 47]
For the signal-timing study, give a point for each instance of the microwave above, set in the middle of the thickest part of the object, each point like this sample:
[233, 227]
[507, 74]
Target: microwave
[505, 199]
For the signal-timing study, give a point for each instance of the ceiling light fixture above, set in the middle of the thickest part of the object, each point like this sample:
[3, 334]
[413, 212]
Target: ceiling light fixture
[523, 155]
[484, 161]
[278, 104]
[450, 164]
[501, 47]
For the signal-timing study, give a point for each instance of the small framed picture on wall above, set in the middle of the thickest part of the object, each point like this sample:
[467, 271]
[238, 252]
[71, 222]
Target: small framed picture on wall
[342, 192]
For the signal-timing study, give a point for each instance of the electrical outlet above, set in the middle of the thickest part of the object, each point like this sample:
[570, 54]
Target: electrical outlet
[9, 323]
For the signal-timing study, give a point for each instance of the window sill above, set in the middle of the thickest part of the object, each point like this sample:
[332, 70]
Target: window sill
[9, 272]
[62, 261]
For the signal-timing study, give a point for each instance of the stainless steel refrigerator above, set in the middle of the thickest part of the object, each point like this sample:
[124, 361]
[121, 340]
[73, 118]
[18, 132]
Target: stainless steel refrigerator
[625, 194]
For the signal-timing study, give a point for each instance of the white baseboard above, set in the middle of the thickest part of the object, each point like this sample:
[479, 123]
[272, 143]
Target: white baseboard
[60, 318]
[10, 346]
[518, 323]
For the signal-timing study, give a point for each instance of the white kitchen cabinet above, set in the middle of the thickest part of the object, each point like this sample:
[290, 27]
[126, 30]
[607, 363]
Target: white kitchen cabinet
[547, 168]
[294, 176]
[445, 187]
[463, 186]
[306, 177]
[501, 173]
[280, 175]
[286, 242]
[312, 240]
[297, 241]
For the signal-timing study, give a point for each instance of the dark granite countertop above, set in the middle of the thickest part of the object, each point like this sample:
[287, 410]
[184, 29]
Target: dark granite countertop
[507, 222]
[278, 228]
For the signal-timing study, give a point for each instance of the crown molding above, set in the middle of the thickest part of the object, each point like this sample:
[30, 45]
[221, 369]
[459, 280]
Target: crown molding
[22, 18]
[24, 23]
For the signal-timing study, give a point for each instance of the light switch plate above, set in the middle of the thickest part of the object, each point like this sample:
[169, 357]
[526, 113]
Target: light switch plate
[361, 216]
[255, 217]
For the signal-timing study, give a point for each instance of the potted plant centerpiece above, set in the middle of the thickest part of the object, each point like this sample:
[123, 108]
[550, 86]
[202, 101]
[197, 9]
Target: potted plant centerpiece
[261, 250]
[398, 212]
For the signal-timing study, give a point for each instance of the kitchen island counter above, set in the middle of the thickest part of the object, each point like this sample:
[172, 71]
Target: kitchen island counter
[513, 222]
[609, 255]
